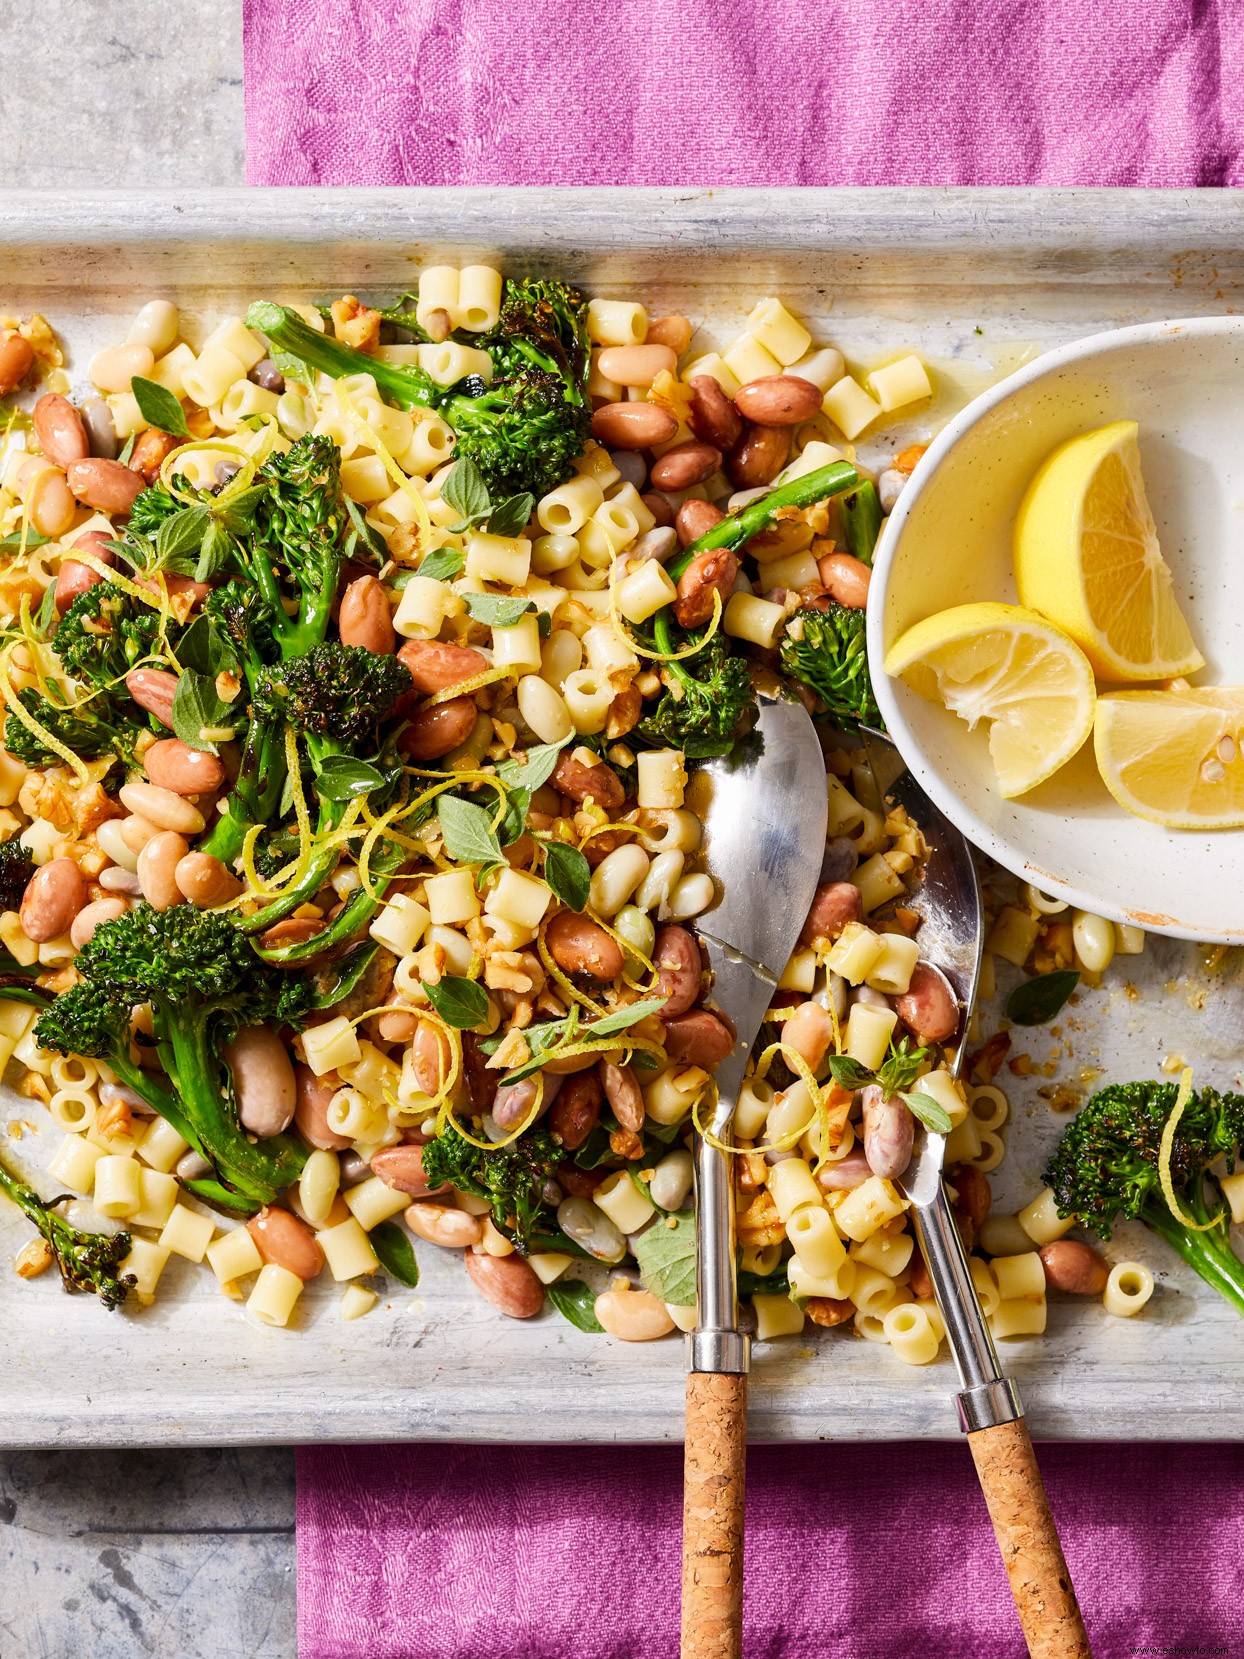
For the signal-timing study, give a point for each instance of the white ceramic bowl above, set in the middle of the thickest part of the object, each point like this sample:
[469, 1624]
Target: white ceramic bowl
[948, 542]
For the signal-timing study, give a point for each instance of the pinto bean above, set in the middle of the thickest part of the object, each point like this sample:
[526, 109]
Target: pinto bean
[710, 572]
[312, 1095]
[293, 930]
[263, 1079]
[435, 665]
[927, 1006]
[845, 1175]
[633, 425]
[625, 1097]
[921, 1284]
[429, 1058]
[92, 916]
[676, 957]
[759, 456]
[834, 905]
[205, 881]
[579, 946]
[695, 519]
[846, 579]
[1073, 1267]
[778, 400]
[512, 1102]
[434, 732]
[59, 428]
[151, 449]
[157, 869]
[105, 485]
[442, 1224]
[599, 782]
[809, 1031]
[889, 1130]
[54, 895]
[174, 765]
[365, 617]
[153, 689]
[508, 1282]
[975, 1193]
[281, 1238]
[713, 417]
[684, 466]
[401, 1167]
[16, 360]
[699, 1038]
[659, 507]
[636, 365]
[576, 1109]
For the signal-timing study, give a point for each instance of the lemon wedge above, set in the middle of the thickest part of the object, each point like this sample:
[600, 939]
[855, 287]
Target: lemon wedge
[1087, 557]
[1007, 665]
[1174, 757]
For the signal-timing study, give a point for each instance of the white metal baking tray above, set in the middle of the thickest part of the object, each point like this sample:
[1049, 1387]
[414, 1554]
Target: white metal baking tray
[976, 281]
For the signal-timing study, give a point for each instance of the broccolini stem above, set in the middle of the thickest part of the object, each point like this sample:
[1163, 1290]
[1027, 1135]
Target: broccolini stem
[354, 917]
[749, 521]
[408, 388]
[320, 866]
[861, 522]
[1218, 1266]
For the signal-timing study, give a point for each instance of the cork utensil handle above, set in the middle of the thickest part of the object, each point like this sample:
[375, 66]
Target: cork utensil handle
[1045, 1599]
[712, 1524]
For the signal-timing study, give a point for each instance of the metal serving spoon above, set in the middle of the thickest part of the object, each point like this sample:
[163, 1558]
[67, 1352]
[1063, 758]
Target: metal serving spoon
[764, 810]
[990, 1412]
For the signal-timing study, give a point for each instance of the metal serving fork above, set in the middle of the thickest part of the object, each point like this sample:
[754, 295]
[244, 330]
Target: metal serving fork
[990, 1411]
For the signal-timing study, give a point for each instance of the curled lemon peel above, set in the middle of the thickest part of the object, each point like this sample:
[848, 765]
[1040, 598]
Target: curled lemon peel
[241, 480]
[467, 688]
[784, 1143]
[508, 1140]
[346, 402]
[1165, 1149]
[157, 599]
[641, 650]
[22, 713]
[559, 978]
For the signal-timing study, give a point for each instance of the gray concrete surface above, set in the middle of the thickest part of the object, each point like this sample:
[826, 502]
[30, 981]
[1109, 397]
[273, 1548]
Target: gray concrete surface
[122, 1555]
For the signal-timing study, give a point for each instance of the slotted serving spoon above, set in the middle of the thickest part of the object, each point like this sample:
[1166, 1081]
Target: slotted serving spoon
[990, 1411]
[764, 810]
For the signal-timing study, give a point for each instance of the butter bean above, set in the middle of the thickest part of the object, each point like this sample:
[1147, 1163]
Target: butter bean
[105, 485]
[436, 665]
[685, 465]
[172, 764]
[16, 360]
[263, 1080]
[153, 689]
[114, 367]
[713, 416]
[162, 808]
[778, 400]
[508, 1282]
[101, 429]
[59, 429]
[434, 732]
[579, 946]
[632, 425]
[633, 1315]
[636, 365]
[135, 832]
[92, 916]
[809, 1031]
[365, 617]
[759, 455]
[205, 881]
[117, 879]
[311, 1109]
[588, 1225]
[54, 895]
[699, 1038]
[712, 571]
[695, 519]
[676, 957]
[401, 1167]
[671, 1180]
[290, 1243]
[157, 869]
[442, 1224]
[846, 579]
[155, 326]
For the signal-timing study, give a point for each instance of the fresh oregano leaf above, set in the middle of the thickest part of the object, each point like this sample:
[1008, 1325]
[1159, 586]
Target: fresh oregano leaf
[15, 541]
[465, 491]
[509, 517]
[901, 1067]
[215, 554]
[497, 610]
[535, 769]
[363, 539]
[576, 1302]
[848, 1073]
[568, 873]
[514, 822]
[467, 832]
[159, 407]
[342, 778]
[180, 538]
[393, 1248]
[1036, 1001]
[123, 459]
[923, 1106]
[442, 564]
[196, 709]
[666, 1256]
[205, 648]
[622, 1018]
[459, 1002]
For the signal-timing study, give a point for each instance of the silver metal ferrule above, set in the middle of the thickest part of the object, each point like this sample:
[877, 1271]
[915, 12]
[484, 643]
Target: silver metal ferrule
[717, 1344]
[725, 1351]
[985, 1405]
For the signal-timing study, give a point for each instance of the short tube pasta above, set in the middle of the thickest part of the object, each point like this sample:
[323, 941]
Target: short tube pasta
[910, 1333]
[1128, 1288]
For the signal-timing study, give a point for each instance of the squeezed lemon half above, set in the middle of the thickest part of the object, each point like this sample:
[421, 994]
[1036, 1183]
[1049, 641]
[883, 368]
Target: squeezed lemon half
[1087, 557]
[1008, 666]
[1174, 757]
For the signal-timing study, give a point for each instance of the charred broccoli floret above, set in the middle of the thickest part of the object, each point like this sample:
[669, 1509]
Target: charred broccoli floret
[99, 725]
[16, 869]
[510, 1178]
[825, 650]
[87, 1261]
[336, 694]
[104, 633]
[705, 701]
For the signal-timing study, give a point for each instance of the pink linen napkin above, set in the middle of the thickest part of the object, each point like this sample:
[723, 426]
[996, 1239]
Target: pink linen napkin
[755, 92]
[859, 1552]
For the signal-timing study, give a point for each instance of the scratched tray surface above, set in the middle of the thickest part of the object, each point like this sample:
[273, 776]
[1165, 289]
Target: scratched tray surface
[977, 282]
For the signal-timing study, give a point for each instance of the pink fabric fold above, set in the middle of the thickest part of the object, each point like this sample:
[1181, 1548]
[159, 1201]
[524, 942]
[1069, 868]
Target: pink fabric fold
[757, 92]
[859, 1552]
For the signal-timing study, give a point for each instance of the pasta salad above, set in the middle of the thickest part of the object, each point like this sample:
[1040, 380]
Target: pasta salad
[354, 664]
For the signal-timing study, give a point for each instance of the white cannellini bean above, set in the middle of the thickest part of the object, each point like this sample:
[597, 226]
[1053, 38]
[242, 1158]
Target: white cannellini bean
[616, 877]
[162, 808]
[692, 895]
[1093, 937]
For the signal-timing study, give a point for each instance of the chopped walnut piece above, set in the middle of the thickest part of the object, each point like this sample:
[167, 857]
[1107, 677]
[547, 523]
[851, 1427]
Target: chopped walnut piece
[356, 324]
[828, 1310]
